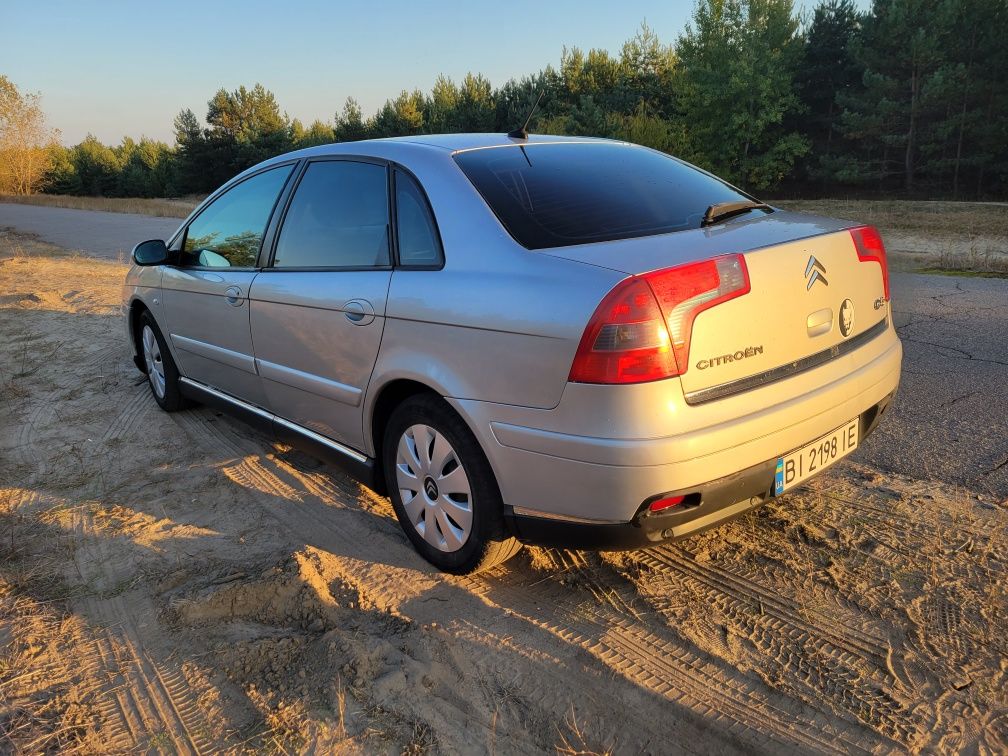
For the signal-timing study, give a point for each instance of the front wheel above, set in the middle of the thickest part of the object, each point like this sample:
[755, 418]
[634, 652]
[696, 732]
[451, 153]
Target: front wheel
[443, 489]
[162, 375]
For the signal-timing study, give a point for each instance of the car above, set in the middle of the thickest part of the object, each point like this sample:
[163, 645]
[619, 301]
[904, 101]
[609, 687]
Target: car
[571, 342]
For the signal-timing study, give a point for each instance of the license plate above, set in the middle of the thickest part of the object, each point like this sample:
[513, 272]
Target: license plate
[812, 458]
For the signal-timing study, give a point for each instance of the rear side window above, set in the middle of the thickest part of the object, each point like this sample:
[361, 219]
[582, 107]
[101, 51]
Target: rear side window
[230, 230]
[419, 244]
[556, 195]
[338, 218]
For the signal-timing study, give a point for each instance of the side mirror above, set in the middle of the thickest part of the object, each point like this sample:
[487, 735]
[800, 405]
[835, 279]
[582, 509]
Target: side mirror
[151, 252]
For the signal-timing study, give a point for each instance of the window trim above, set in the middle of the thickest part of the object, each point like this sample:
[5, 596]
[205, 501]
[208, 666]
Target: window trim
[181, 235]
[268, 262]
[394, 204]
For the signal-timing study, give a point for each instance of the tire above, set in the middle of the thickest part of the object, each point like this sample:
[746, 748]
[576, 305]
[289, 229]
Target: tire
[455, 524]
[162, 374]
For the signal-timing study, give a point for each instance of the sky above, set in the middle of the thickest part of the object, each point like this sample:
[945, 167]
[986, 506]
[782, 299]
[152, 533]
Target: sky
[115, 69]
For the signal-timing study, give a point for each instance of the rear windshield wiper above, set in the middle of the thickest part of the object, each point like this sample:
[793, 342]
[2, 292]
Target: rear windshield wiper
[723, 210]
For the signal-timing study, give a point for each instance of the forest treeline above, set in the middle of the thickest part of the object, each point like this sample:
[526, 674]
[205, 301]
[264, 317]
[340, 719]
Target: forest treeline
[910, 97]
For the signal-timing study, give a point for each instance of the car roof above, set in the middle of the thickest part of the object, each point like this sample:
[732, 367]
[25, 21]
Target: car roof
[462, 142]
[403, 147]
[450, 143]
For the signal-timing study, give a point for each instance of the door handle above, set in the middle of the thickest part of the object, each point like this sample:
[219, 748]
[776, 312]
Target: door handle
[359, 312]
[232, 295]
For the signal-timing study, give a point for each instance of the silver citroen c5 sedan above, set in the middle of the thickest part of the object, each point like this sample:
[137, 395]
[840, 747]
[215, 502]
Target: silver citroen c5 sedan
[571, 342]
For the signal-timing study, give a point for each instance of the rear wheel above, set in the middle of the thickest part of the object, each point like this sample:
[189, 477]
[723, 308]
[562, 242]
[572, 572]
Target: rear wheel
[162, 375]
[443, 489]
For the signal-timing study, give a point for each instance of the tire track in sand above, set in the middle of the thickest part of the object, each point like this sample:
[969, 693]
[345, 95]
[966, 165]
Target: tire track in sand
[645, 653]
[143, 700]
[136, 407]
[818, 657]
[42, 412]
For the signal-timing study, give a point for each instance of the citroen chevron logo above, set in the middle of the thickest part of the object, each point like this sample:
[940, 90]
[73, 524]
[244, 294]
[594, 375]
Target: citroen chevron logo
[430, 487]
[814, 271]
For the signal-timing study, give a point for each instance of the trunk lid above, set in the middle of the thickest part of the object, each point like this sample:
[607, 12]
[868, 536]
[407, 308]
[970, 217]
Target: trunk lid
[809, 301]
[810, 297]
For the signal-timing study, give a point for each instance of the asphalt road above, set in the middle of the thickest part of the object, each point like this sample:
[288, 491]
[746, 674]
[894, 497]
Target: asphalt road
[96, 233]
[950, 419]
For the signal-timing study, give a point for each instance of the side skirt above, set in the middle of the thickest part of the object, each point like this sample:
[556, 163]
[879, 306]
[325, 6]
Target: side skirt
[350, 461]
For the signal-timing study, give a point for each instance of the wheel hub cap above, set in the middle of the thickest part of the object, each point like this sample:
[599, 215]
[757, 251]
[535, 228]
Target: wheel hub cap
[152, 358]
[434, 488]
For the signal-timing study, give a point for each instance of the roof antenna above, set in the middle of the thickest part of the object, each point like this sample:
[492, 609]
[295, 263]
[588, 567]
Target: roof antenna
[522, 131]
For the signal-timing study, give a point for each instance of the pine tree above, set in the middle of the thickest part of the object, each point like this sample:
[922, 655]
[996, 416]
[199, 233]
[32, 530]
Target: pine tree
[98, 167]
[959, 95]
[191, 154]
[647, 68]
[738, 62]
[829, 69]
[441, 107]
[350, 126]
[245, 127]
[401, 116]
[475, 104]
[900, 49]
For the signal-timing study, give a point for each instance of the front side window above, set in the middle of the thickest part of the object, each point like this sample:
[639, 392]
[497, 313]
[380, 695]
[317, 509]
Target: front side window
[338, 218]
[229, 232]
[560, 194]
[419, 244]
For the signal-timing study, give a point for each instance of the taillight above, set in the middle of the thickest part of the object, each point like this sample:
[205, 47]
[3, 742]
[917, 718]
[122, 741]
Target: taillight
[688, 290]
[626, 340]
[870, 248]
[641, 330]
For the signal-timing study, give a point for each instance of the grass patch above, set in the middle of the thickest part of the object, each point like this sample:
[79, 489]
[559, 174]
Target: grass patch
[23, 244]
[951, 238]
[982, 263]
[963, 273]
[162, 208]
[913, 216]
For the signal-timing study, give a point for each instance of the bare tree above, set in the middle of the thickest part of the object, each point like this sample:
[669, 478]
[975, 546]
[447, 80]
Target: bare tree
[25, 142]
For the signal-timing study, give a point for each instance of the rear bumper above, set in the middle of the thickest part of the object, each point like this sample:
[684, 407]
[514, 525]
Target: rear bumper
[601, 452]
[719, 501]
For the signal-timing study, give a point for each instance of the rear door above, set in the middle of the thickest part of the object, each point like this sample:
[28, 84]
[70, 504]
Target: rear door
[206, 294]
[318, 309]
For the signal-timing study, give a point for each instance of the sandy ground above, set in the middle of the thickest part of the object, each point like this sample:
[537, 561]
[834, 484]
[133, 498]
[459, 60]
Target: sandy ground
[180, 583]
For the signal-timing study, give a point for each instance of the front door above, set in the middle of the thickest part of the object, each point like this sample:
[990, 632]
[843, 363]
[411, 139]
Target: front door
[206, 295]
[319, 309]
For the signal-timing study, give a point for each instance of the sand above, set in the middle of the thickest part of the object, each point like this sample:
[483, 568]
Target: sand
[182, 583]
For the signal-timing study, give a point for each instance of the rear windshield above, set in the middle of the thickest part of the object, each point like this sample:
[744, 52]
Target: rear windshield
[556, 195]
